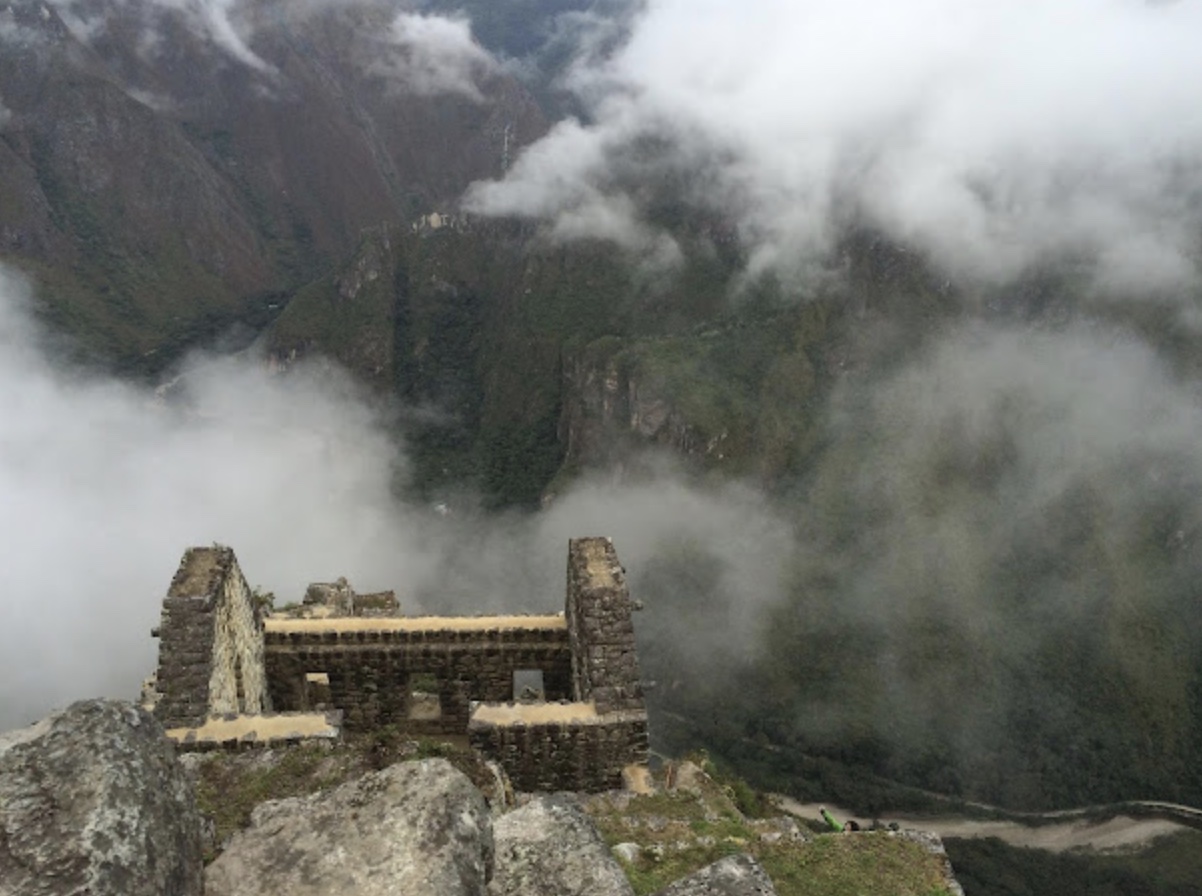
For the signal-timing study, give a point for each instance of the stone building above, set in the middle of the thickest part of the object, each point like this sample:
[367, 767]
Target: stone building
[230, 675]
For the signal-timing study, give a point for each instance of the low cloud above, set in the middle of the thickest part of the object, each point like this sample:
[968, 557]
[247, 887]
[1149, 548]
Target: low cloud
[220, 22]
[1001, 536]
[433, 55]
[994, 137]
[103, 485]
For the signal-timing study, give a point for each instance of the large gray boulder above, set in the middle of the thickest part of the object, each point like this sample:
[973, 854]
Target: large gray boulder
[93, 802]
[737, 875]
[549, 847]
[413, 828]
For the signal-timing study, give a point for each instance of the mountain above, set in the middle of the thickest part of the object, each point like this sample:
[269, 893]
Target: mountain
[162, 188]
[986, 487]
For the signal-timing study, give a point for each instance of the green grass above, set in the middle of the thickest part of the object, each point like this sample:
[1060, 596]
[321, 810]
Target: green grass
[853, 865]
[230, 786]
[681, 831]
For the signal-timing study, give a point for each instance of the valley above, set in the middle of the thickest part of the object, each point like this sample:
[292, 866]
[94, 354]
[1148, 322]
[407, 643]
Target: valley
[913, 505]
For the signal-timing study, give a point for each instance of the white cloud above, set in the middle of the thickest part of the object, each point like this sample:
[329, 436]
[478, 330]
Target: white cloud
[991, 134]
[434, 55]
[102, 487]
[220, 22]
[104, 484]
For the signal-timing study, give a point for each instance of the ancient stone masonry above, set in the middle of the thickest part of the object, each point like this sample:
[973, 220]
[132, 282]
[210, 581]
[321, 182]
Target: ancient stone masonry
[353, 660]
[370, 665]
[325, 599]
[210, 642]
[561, 746]
[605, 666]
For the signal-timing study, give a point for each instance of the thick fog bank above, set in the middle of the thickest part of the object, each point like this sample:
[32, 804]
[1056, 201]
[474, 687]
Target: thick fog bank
[993, 136]
[103, 485]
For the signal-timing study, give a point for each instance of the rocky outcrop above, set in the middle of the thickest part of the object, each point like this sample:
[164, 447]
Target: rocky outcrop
[417, 827]
[549, 847]
[933, 844]
[93, 802]
[738, 875]
[611, 406]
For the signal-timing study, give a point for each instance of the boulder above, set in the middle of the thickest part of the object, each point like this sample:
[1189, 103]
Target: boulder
[737, 875]
[415, 827]
[93, 802]
[549, 847]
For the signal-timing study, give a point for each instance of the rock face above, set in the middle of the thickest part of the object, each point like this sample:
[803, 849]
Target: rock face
[549, 847]
[417, 827]
[738, 875]
[93, 802]
[933, 844]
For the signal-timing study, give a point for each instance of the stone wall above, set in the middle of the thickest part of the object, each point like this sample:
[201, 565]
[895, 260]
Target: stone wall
[222, 665]
[210, 642]
[584, 752]
[325, 600]
[371, 664]
[605, 665]
[238, 682]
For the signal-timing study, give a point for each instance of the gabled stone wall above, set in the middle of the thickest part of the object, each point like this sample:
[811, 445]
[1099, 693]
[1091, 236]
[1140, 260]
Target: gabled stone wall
[605, 665]
[238, 682]
[210, 642]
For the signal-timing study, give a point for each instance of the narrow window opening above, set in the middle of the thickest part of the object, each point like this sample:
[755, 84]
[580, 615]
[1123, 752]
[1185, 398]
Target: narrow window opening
[423, 697]
[528, 686]
[317, 691]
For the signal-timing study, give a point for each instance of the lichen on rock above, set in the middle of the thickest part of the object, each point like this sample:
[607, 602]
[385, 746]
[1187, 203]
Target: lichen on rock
[415, 827]
[93, 802]
[550, 847]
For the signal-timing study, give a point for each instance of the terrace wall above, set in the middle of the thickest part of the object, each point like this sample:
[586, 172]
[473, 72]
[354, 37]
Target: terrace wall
[371, 664]
[605, 664]
[210, 642]
[582, 754]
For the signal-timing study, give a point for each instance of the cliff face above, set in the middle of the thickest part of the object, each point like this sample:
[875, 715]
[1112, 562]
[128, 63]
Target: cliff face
[158, 183]
[742, 396]
[163, 179]
[612, 406]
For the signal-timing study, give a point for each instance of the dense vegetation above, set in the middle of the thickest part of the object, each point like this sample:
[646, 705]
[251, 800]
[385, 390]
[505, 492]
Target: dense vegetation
[1170, 867]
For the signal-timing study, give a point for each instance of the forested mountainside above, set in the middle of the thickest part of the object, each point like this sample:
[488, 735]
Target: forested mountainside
[163, 188]
[989, 486]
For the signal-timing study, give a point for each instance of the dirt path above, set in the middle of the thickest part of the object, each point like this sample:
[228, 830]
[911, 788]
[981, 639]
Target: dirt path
[1120, 832]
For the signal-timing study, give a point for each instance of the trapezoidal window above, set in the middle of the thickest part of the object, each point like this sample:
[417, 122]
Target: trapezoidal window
[528, 685]
[317, 691]
[423, 697]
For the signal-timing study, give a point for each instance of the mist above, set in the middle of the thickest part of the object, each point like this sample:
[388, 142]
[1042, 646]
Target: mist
[996, 570]
[984, 577]
[103, 484]
[993, 137]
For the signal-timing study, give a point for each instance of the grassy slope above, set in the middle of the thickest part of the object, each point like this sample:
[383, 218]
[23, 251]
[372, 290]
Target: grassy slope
[680, 831]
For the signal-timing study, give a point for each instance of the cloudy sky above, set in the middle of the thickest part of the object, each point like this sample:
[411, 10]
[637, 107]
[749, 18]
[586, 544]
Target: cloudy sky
[990, 134]
[104, 484]
[993, 136]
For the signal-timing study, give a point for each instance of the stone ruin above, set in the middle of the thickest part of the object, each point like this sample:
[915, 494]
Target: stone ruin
[556, 699]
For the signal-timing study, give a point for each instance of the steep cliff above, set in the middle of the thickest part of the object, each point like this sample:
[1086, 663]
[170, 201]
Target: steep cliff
[161, 183]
